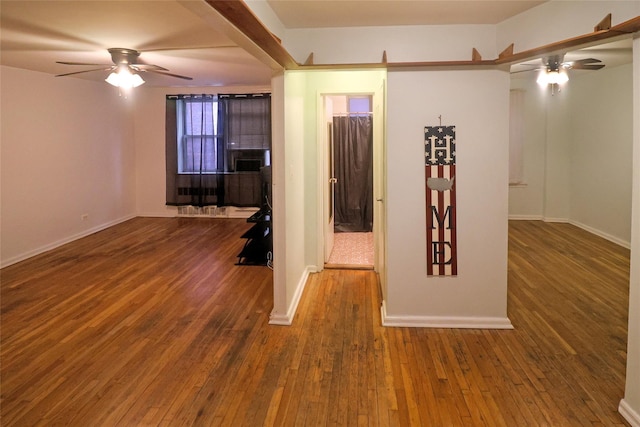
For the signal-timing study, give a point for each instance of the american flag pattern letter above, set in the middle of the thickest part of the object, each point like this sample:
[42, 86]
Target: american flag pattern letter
[440, 185]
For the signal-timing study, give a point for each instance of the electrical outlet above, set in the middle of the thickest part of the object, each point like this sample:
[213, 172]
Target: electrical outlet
[84, 217]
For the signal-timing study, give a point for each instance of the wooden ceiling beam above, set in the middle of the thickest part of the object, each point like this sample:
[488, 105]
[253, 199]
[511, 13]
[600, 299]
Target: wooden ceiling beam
[554, 47]
[627, 27]
[507, 56]
[239, 15]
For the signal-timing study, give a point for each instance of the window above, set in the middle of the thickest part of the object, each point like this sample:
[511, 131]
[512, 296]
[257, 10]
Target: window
[215, 148]
[198, 134]
[359, 104]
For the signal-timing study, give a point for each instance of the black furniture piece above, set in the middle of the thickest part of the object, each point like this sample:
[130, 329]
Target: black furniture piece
[259, 240]
[258, 248]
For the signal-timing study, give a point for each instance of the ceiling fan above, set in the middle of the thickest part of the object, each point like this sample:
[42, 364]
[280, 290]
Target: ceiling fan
[557, 63]
[124, 68]
[555, 69]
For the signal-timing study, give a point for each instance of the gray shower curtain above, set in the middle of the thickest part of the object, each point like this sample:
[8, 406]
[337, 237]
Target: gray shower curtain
[353, 145]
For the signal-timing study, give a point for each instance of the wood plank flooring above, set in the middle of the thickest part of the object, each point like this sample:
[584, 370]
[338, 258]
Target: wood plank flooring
[151, 323]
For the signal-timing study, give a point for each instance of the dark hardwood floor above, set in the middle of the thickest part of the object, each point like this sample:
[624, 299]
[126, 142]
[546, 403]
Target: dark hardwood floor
[151, 322]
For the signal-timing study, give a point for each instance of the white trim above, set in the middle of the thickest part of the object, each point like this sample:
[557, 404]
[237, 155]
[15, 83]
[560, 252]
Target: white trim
[279, 319]
[558, 220]
[525, 217]
[628, 413]
[606, 236]
[321, 178]
[287, 319]
[444, 321]
[58, 243]
[157, 214]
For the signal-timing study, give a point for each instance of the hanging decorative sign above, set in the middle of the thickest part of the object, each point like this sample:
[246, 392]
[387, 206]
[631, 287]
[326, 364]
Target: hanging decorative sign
[440, 174]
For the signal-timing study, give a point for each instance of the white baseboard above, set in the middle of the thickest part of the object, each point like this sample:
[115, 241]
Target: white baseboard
[281, 319]
[287, 319]
[629, 413]
[58, 243]
[606, 236]
[525, 217]
[559, 220]
[536, 218]
[449, 322]
[168, 214]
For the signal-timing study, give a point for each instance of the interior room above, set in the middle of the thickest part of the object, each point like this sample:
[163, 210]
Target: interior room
[123, 305]
[566, 138]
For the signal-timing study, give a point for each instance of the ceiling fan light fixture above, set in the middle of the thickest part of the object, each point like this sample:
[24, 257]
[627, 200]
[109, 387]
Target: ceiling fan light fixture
[123, 78]
[552, 77]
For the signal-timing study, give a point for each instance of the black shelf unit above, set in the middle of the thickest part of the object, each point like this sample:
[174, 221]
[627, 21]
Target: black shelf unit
[259, 240]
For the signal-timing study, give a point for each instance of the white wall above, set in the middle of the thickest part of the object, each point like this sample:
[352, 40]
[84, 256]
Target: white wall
[556, 204]
[290, 220]
[405, 43]
[601, 151]
[477, 103]
[282, 292]
[367, 44]
[67, 150]
[630, 405]
[149, 120]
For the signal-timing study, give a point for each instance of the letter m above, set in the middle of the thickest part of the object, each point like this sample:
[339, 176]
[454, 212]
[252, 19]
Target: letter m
[440, 219]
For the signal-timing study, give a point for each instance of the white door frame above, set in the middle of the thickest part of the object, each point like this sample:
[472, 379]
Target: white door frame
[379, 190]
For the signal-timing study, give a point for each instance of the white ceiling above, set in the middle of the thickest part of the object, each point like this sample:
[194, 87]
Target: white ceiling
[182, 36]
[36, 34]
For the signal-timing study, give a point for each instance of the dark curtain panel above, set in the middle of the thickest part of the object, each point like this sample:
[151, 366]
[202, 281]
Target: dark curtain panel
[246, 138]
[171, 151]
[353, 145]
[248, 124]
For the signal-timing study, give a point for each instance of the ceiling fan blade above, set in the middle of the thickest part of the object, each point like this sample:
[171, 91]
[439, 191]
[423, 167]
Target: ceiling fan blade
[85, 71]
[80, 63]
[169, 74]
[148, 67]
[170, 49]
[588, 67]
[585, 61]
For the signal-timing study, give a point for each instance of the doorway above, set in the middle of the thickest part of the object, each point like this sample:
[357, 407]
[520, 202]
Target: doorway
[349, 240]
